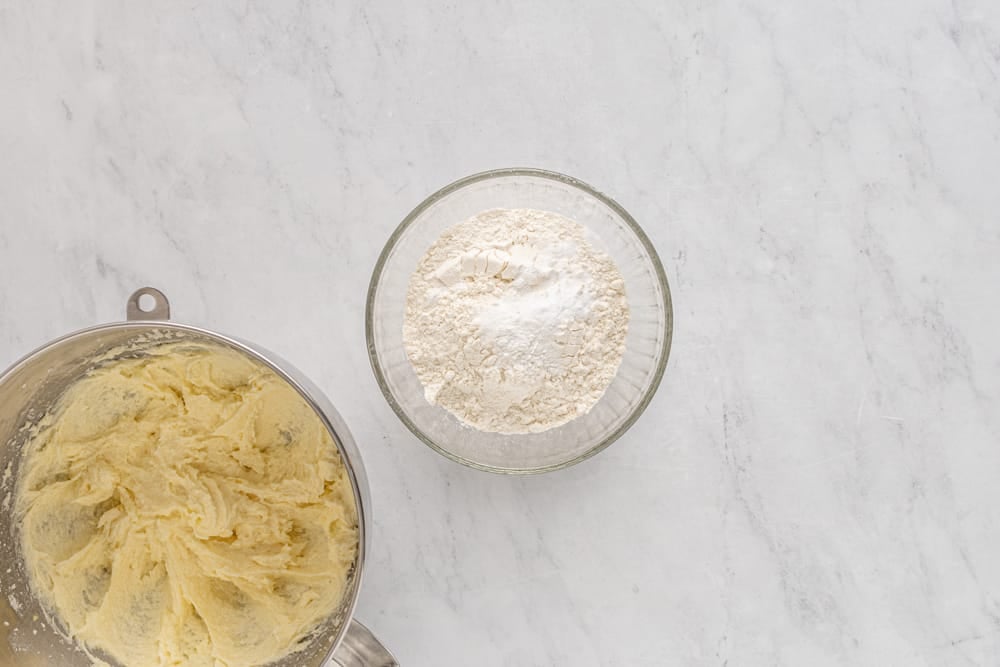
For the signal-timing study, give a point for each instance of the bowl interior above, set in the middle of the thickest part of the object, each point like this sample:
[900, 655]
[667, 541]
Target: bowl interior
[27, 390]
[647, 343]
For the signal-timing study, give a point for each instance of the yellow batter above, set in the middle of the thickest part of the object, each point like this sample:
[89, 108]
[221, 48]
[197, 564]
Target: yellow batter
[187, 508]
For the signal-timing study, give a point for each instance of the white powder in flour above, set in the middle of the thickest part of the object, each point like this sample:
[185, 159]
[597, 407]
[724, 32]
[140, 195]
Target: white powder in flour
[514, 322]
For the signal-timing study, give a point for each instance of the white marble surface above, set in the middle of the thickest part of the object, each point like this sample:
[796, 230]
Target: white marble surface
[816, 482]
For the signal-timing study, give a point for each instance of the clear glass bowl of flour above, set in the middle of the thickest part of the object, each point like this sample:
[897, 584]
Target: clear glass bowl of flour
[647, 343]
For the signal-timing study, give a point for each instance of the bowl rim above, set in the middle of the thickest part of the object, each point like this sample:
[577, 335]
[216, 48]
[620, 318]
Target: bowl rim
[411, 217]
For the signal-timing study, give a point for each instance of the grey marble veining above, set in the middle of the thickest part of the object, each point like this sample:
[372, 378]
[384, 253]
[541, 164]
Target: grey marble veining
[815, 482]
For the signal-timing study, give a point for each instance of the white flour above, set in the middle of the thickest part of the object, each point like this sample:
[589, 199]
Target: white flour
[514, 322]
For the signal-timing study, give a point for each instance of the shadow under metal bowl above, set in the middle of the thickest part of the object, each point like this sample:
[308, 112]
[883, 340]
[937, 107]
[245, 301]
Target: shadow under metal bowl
[647, 343]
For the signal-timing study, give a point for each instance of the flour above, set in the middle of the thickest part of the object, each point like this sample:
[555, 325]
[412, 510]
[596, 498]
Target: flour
[514, 322]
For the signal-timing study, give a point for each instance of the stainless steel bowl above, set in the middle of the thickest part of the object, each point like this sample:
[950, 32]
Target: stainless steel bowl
[29, 388]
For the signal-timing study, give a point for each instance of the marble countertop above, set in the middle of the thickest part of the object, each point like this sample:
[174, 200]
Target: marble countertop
[815, 483]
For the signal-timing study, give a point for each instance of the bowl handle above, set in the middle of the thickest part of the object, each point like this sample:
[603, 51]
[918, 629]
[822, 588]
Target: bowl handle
[160, 310]
[359, 648]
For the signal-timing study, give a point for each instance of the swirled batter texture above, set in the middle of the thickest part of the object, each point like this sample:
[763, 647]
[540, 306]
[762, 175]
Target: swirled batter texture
[187, 508]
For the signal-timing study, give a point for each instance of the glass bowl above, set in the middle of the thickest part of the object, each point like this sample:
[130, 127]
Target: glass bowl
[647, 342]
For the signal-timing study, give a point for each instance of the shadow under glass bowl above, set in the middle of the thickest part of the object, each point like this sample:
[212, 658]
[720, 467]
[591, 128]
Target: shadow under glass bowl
[647, 345]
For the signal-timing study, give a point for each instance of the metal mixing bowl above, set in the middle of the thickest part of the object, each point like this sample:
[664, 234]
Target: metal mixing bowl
[33, 384]
[647, 344]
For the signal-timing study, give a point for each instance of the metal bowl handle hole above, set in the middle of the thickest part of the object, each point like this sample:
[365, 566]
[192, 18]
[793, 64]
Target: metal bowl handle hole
[147, 303]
